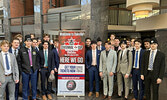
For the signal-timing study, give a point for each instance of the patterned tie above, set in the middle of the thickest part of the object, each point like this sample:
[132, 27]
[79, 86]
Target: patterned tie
[136, 59]
[7, 61]
[151, 61]
[15, 52]
[46, 59]
[30, 57]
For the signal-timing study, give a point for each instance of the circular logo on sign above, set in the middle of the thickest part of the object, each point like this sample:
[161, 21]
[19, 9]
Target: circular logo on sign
[71, 85]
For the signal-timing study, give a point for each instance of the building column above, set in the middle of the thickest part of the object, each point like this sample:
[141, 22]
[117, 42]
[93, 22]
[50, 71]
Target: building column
[38, 18]
[6, 12]
[94, 15]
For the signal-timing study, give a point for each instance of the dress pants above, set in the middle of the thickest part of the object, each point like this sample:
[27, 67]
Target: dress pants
[44, 77]
[26, 77]
[151, 86]
[10, 84]
[93, 75]
[136, 77]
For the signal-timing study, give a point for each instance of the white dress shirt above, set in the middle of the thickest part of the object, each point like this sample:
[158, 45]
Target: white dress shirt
[7, 72]
[94, 58]
[137, 59]
[13, 50]
[155, 52]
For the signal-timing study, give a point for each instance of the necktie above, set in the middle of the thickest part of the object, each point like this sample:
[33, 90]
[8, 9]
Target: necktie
[121, 55]
[136, 59]
[7, 61]
[46, 61]
[30, 57]
[151, 61]
[15, 52]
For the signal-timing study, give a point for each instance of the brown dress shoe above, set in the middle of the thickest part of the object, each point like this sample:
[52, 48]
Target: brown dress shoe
[49, 97]
[90, 94]
[144, 98]
[133, 99]
[104, 97]
[44, 97]
[109, 97]
[97, 94]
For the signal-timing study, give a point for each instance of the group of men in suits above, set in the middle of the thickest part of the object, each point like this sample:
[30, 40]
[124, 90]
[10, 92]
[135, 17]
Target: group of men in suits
[27, 59]
[145, 67]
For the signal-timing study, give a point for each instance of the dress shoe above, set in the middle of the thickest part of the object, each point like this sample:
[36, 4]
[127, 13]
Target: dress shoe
[125, 98]
[144, 98]
[109, 97]
[49, 97]
[90, 94]
[133, 99]
[44, 97]
[97, 94]
[104, 97]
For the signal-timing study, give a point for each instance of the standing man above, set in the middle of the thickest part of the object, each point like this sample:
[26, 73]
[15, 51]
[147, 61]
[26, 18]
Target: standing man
[28, 64]
[92, 64]
[136, 71]
[46, 62]
[87, 44]
[147, 44]
[124, 68]
[9, 71]
[152, 70]
[35, 44]
[46, 37]
[116, 46]
[99, 45]
[108, 62]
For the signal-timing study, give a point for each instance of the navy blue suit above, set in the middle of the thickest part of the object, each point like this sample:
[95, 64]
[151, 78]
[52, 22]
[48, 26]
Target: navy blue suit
[93, 70]
[45, 70]
[17, 85]
[136, 77]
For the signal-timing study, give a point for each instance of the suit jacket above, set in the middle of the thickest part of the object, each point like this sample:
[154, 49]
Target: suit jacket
[124, 66]
[140, 58]
[158, 65]
[24, 63]
[41, 60]
[102, 48]
[56, 58]
[109, 62]
[14, 68]
[88, 58]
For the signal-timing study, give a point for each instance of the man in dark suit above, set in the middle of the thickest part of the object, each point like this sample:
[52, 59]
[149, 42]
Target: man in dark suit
[15, 51]
[46, 63]
[152, 70]
[28, 64]
[92, 64]
[136, 67]
[56, 59]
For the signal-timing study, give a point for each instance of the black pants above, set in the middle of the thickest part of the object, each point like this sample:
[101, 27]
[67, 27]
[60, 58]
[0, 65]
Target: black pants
[44, 76]
[151, 86]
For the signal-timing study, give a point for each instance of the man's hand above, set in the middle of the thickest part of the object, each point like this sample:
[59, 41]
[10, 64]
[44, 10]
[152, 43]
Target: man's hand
[17, 81]
[159, 81]
[101, 74]
[142, 77]
[56, 70]
[111, 73]
[52, 72]
[126, 75]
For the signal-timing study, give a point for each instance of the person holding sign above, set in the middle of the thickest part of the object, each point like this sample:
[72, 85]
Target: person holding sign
[92, 64]
[108, 62]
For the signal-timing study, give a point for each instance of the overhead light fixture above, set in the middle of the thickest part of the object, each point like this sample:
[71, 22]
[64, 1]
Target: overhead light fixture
[141, 8]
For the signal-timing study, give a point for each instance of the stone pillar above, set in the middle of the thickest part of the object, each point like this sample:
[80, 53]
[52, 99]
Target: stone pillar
[38, 18]
[95, 18]
[6, 12]
[161, 36]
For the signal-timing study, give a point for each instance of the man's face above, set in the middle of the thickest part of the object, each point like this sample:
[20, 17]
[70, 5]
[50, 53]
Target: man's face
[123, 46]
[5, 48]
[88, 42]
[113, 42]
[56, 44]
[45, 45]
[137, 45]
[99, 43]
[34, 43]
[39, 42]
[112, 37]
[132, 42]
[117, 42]
[93, 46]
[46, 38]
[28, 43]
[128, 43]
[147, 45]
[154, 46]
[15, 44]
[32, 36]
[107, 46]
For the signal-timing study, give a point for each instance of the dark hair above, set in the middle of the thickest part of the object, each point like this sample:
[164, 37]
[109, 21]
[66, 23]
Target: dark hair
[32, 34]
[138, 40]
[44, 35]
[108, 42]
[15, 39]
[147, 40]
[45, 42]
[88, 38]
[56, 40]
